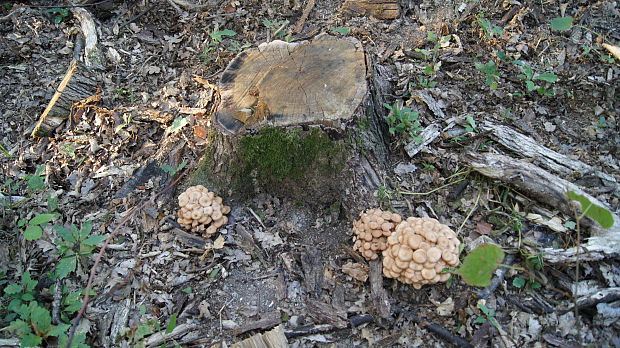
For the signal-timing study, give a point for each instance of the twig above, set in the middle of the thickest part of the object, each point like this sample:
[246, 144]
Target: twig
[302, 20]
[188, 5]
[76, 321]
[435, 328]
[136, 17]
[220, 312]
[256, 217]
[471, 211]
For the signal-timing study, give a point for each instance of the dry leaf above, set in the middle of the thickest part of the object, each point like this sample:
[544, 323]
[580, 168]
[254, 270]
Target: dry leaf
[484, 228]
[357, 271]
[219, 243]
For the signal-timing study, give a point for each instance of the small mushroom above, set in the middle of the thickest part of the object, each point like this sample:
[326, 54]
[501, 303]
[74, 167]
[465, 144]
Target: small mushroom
[418, 251]
[373, 228]
[201, 210]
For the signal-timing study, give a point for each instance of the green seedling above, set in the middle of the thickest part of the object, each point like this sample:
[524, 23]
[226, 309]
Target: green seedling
[60, 14]
[177, 124]
[34, 227]
[127, 118]
[216, 38]
[279, 26]
[488, 314]
[490, 72]
[490, 31]
[403, 121]
[528, 76]
[341, 30]
[423, 82]
[74, 243]
[36, 182]
[171, 170]
[520, 283]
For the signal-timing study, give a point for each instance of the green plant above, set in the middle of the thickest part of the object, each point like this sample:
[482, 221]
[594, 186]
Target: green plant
[403, 121]
[521, 282]
[34, 227]
[490, 31]
[470, 128]
[561, 23]
[127, 117]
[490, 72]
[5, 152]
[423, 82]
[488, 314]
[478, 266]
[177, 124]
[341, 30]
[528, 76]
[124, 93]
[36, 181]
[61, 14]
[171, 170]
[279, 26]
[74, 243]
[216, 38]
[601, 124]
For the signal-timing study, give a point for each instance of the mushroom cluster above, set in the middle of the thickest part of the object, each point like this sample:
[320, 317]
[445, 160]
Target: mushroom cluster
[419, 250]
[371, 231]
[201, 210]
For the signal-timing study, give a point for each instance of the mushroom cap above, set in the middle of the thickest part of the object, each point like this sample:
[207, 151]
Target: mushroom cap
[374, 227]
[201, 210]
[419, 250]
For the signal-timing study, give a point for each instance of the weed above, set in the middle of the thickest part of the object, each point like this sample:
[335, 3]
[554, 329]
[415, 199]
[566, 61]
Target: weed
[216, 38]
[341, 30]
[529, 76]
[520, 283]
[34, 226]
[423, 82]
[488, 314]
[403, 121]
[73, 244]
[60, 13]
[5, 152]
[279, 26]
[127, 118]
[490, 31]
[171, 170]
[490, 73]
[601, 124]
[124, 93]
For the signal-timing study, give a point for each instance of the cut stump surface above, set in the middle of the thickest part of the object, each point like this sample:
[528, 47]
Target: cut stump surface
[322, 81]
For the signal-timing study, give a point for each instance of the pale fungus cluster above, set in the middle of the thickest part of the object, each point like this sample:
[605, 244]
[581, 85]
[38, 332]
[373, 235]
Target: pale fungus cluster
[201, 210]
[419, 250]
[371, 231]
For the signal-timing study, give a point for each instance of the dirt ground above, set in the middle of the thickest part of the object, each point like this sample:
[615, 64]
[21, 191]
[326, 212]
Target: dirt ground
[460, 64]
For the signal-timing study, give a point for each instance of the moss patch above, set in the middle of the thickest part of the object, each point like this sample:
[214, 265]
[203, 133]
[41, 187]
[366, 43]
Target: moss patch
[290, 160]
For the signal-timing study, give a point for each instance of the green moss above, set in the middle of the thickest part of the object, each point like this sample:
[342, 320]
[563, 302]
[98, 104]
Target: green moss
[276, 154]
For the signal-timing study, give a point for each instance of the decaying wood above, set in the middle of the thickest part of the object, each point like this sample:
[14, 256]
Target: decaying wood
[434, 328]
[325, 313]
[381, 9]
[78, 82]
[549, 159]
[323, 328]
[267, 321]
[312, 266]
[270, 339]
[429, 134]
[538, 183]
[159, 338]
[304, 15]
[93, 57]
[322, 81]
[379, 296]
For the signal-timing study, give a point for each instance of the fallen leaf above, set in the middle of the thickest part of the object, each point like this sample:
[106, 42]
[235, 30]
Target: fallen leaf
[200, 132]
[219, 243]
[484, 228]
[357, 271]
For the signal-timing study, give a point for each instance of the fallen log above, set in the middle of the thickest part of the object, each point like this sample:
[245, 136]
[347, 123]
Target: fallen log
[550, 189]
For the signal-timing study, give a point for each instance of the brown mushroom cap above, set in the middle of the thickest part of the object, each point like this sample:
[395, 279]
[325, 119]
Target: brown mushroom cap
[201, 210]
[419, 250]
[374, 228]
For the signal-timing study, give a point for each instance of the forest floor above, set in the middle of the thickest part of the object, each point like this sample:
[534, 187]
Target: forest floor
[459, 64]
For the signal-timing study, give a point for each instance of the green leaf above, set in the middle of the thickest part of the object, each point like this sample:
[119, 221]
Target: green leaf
[59, 330]
[187, 290]
[33, 232]
[177, 124]
[41, 319]
[13, 289]
[168, 169]
[20, 326]
[172, 323]
[41, 219]
[65, 266]
[518, 282]
[341, 30]
[30, 340]
[593, 211]
[561, 23]
[87, 227]
[28, 282]
[530, 85]
[64, 233]
[479, 265]
[52, 203]
[95, 240]
[549, 77]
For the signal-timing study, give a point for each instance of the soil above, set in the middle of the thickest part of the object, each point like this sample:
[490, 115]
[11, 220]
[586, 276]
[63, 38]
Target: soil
[282, 259]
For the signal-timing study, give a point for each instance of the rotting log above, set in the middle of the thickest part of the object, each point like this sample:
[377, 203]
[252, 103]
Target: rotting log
[547, 188]
[301, 120]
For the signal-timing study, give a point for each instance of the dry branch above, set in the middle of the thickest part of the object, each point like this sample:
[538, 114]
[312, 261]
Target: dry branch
[549, 159]
[551, 190]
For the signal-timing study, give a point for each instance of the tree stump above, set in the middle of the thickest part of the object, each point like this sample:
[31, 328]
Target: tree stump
[301, 120]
